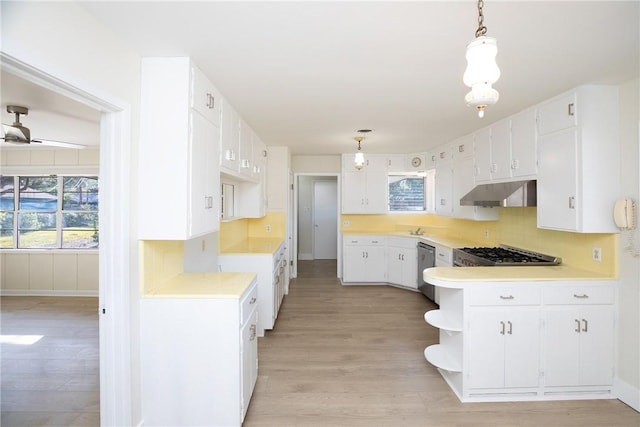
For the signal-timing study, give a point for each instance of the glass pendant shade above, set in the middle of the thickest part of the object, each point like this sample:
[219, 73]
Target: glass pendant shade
[359, 160]
[482, 71]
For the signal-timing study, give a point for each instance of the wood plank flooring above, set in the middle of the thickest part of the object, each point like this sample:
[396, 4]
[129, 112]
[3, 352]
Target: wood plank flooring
[353, 356]
[339, 356]
[55, 380]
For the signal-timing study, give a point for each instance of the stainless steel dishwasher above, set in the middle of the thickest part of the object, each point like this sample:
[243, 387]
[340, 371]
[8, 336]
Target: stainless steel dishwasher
[426, 259]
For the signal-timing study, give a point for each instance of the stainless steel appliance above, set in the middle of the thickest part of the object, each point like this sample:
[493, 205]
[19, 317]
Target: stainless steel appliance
[502, 255]
[426, 259]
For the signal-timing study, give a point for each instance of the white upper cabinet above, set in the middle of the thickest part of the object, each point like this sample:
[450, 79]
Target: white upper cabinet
[179, 174]
[501, 150]
[524, 149]
[229, 139]
[397, 163]
[578, 160]
[205, 98]
[364, 191]
[246, 149]
[482, 154]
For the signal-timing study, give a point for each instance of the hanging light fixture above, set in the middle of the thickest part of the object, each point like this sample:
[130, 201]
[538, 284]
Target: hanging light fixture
[482, 70]
[359, 159]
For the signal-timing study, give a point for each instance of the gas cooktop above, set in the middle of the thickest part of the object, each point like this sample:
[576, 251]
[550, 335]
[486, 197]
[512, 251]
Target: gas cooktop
[502, 255]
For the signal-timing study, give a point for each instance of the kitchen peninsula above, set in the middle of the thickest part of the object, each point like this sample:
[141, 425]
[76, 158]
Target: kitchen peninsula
[524, 333]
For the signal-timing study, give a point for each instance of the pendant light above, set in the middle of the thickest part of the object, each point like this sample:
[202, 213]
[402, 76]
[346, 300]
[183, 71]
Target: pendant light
[359, 159]
[482, 70]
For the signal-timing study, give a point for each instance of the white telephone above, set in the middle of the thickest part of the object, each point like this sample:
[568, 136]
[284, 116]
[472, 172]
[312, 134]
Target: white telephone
[624, 214]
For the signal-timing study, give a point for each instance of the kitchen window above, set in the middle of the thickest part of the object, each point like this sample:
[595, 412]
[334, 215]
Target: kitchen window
[407, 193]
[49, 212]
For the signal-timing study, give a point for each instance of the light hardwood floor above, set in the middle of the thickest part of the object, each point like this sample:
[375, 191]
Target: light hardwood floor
[353, 356]
[338, 356]
[55, 380]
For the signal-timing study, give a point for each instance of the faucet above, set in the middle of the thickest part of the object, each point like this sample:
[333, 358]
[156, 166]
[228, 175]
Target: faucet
[417, 232]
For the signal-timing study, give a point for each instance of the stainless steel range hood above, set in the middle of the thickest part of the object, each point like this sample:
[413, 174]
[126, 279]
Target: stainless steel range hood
[505, 194]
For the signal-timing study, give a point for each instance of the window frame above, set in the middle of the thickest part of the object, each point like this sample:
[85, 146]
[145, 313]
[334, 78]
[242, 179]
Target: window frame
[59, 212]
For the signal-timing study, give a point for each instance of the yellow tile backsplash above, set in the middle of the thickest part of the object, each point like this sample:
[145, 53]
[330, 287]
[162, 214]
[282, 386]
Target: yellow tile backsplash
[160, 260]
[234, 232]
[516, 227]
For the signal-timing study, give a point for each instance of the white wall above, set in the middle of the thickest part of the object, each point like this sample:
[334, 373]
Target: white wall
[64, 42]
[317, 164]
[628, 373]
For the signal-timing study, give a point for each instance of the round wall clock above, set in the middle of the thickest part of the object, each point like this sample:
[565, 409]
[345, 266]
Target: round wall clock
[416, 161]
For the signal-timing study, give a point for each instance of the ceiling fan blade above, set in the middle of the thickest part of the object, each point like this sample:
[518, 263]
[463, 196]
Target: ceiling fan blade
[14, 134]
[58, 143]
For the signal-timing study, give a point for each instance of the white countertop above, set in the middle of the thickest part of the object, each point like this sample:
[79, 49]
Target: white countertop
[443, 241]
[455, 277]
[204, 285]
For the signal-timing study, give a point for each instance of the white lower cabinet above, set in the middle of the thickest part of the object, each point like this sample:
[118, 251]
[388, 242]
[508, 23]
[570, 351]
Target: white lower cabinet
[198, 358]
[402, 262]
[364, 259]
[539, 340]
[267, 266]
[504, 347]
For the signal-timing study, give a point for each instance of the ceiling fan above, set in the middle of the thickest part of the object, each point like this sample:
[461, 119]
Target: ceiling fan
[17, 134]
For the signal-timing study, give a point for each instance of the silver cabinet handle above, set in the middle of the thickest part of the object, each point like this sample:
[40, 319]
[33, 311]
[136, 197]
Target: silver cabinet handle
[577, 329]
[572, 202]
[583, 296]
[510, 331]
[571, 109]
[585, 328]
[507, 297]
[502, 330]
[252, 328]
[252, 300]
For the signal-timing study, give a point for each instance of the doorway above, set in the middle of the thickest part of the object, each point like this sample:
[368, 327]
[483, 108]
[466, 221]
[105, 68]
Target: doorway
[316, 202]
[325, 219]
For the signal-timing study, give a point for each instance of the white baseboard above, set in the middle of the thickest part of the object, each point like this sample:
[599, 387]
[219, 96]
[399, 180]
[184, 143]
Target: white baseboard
[48, 293]
[627, 393]
[305, 257]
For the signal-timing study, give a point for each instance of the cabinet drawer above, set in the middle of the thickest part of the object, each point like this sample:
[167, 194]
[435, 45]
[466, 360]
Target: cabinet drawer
[401, 242]
[444, 255]
[579, 295]
[504, 296]
[364, 240]
[248, 303]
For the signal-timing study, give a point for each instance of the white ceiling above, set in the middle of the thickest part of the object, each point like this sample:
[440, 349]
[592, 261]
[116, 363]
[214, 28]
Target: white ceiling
[309, 74]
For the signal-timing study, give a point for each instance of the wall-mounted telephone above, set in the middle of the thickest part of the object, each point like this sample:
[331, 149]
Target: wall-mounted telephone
[624, 214]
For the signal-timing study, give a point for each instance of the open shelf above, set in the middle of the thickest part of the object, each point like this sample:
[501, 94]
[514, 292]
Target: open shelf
[439, 357]
[440, 320]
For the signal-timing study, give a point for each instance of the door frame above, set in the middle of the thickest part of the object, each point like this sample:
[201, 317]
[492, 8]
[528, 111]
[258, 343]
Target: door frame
[295, 221]
[115, 252]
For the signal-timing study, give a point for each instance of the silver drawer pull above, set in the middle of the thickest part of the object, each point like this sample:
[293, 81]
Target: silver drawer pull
[506, 297]
[583, 296]
[253, 300]
[577, 329]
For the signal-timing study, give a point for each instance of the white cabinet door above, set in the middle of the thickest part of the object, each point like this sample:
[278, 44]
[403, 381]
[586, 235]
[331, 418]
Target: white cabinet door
[504, 347]
[394, 265]
[402, 266]
[204, 197]
[524, 151]
[230, 139]
[444, 190]
[205, 98]
[246, 149]
[249, 357]
[375, 264]
[501, 151]
[579, 346]
[377, 188]
[353, 263]
[557, 181]
[557, 114]
[354, 192]
[482, 155]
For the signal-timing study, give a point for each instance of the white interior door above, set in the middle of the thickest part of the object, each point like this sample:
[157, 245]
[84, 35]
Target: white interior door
[325, 219]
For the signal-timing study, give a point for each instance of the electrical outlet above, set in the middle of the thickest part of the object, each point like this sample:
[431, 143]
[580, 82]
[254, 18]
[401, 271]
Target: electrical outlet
[345, 223]
[596, 253]
[268, 228]
[486, 234]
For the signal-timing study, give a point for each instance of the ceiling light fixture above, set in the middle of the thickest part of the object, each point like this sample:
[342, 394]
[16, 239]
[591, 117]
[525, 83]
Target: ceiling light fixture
[359, 159]
[482, 70]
